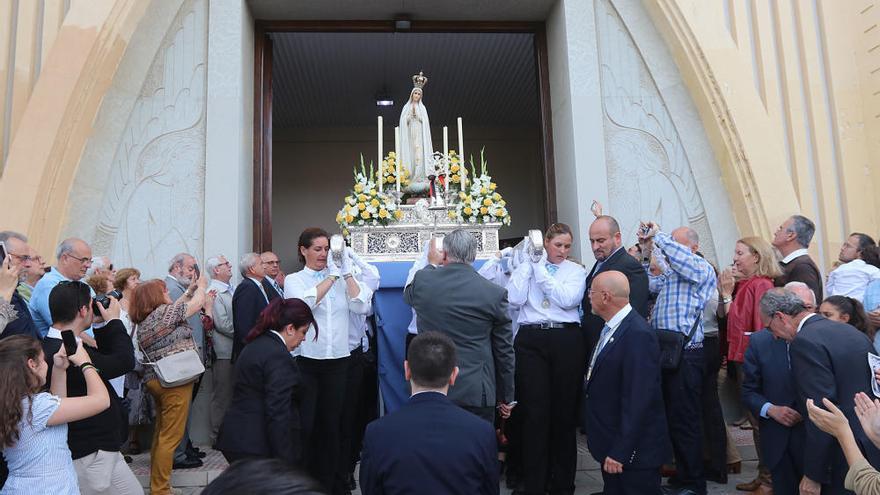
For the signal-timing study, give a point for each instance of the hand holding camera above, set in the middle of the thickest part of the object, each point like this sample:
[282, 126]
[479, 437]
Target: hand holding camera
[107, 306]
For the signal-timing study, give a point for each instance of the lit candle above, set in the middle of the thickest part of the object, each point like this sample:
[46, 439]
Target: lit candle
[381, 173]
[461, 153]
[445, 141]
[397, 155]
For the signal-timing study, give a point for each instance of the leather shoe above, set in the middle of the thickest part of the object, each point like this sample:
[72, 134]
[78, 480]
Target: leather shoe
[750, 486]
[195, 452]
[188, 463]
[762, 490]
[671, 490]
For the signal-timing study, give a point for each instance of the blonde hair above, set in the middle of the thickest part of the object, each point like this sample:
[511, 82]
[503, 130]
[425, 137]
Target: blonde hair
[768, 265]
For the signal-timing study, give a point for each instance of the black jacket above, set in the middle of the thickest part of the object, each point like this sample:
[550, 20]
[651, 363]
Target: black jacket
[114, 357]
[248, 302]
[23, 325]
[263, 419]
[635, 273]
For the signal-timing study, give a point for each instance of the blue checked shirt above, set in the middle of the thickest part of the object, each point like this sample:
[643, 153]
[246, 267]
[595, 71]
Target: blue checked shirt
[683, 289]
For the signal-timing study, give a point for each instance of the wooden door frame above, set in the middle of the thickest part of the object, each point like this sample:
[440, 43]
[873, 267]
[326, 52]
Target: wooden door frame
[262, 191]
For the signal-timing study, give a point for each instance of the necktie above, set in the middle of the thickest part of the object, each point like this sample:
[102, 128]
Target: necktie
[551, 268]
[603, 337]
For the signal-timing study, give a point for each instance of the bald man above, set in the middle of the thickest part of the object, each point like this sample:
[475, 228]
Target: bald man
[626, 425]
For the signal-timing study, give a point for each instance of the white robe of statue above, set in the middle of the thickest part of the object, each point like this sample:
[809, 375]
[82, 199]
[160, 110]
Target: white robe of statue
[416, 149]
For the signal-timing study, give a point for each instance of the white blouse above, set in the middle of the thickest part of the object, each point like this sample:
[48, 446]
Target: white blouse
[542, 297]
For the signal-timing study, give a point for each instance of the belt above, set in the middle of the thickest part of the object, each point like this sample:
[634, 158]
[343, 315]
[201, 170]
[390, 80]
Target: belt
[547, 325]
[693, 346]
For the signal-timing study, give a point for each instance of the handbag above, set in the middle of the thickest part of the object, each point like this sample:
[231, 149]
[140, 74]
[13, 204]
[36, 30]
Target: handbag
[177, 369]
[672, 345]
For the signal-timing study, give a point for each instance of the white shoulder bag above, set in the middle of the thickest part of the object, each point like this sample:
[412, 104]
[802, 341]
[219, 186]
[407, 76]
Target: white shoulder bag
[174, 370]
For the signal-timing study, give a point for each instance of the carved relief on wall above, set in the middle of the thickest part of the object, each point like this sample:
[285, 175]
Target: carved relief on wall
[154, 204]
[649, 174]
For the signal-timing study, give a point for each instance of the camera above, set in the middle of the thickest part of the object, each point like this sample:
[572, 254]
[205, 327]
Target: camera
[104, 300]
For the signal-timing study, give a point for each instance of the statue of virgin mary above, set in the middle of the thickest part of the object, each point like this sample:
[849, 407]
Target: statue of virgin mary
[416, 150]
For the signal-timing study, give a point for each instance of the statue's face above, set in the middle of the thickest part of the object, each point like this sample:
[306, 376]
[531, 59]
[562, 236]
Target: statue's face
[416, 96]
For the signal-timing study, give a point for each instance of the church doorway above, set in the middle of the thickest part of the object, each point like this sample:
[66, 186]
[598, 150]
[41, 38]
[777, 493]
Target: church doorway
[320, 86]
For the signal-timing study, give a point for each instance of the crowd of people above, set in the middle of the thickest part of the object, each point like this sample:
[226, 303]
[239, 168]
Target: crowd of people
[505, 363]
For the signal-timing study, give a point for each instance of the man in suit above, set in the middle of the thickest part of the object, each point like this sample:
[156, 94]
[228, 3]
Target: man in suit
[626, 425]
[19, 256]
[828, 360]
[220, 369]
[768, 390]
[450, 296]
[272, 267]
[249, 299]
[792, 239]
[430, 445]
[610, 254]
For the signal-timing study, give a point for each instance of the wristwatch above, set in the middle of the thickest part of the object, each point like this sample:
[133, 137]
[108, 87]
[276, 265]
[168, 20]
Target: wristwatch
[333, 277]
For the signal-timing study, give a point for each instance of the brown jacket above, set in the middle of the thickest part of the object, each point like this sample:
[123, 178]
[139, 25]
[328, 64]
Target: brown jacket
[802, 269]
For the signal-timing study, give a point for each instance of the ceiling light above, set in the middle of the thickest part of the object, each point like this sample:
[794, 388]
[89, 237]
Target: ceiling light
[383, 99]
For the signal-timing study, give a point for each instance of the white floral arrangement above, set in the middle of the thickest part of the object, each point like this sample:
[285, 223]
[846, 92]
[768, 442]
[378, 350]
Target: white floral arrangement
[480, 202]
[365, 206]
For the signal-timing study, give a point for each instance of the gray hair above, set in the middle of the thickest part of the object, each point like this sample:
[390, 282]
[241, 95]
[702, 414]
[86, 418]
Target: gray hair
[800, 285]
[11, 234]
[692, 236]
[67, 246]
[97, 264]
[803, 229]
[212, 263]
[178, 260]
[460, 246]
[781, 301]
[248, 261]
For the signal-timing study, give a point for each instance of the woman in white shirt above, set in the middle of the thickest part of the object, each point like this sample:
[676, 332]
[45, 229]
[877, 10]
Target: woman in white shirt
[333, 294]
[550, 361]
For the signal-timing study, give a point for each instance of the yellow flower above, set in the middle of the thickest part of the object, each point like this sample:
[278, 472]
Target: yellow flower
[483, 190]
[398, 214]
[487, 202]
[499, 212]
[362, 197]
[502, 203]
[391, 179]
[347, 199]
[468, 210]
[339, 217]
[349, 219]
[383, 213]
[496, 196]
[358, 187]
[462, 196]
[455, 178]
[454, 168]
[451, 214]
[365, 215]
[362, 206]
[483, 210]
[392, 154]
[374, 202]
[492, 185]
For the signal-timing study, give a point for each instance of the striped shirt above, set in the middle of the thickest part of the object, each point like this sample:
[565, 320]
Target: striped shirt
[682, 290]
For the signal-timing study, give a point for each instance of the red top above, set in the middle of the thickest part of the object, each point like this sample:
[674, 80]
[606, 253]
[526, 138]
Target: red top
[745, 315]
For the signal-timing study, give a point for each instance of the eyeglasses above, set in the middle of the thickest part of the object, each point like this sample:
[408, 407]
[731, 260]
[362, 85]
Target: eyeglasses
[23, 259]
[271, 262]
[82, 261]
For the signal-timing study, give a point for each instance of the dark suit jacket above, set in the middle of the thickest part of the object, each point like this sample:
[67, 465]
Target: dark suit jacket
[638, 293]
[429, 446]
[270, 289]
[23, 325]
[829, 359]
[768, 378]
[627, 420]
[247, 304]
[472, 311]
[114, 357]
[802, 269]
[263, 419]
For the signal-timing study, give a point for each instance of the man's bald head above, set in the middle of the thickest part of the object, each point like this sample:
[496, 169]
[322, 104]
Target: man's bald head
[614, 282]
[804, 292]
[609, 293]
[687, 236]
[604, 237]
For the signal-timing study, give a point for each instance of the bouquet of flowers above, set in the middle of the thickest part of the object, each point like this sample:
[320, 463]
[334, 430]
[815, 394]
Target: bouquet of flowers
[365, 205]
[457, 169]
[479, 202]
[389, 173]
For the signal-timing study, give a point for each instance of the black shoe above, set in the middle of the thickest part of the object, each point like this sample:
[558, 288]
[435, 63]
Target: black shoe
[720, 478]
[671, 490]
[127, 459]
[189, 463]
[196, 453]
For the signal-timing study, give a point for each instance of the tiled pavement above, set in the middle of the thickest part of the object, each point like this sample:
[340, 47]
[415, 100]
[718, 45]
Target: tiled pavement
[588, 480]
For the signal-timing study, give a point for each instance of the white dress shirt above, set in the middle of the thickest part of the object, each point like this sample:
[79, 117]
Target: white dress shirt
[260, 285]
[531, 285]
[851, 279]
[332, 313]
[797, 253]
[357, 329]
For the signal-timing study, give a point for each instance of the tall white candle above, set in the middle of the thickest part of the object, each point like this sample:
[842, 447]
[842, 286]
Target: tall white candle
[445, 141]
[461, 153]
[381, 174]
[397, 154]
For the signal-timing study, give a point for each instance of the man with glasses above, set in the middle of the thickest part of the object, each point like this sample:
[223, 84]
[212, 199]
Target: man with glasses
[220, 371]
[74, 259]
[272, 266]
[101, 265]
[18, 251]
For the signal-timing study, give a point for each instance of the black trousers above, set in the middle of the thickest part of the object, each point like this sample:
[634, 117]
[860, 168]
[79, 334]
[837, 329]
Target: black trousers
[714, 428]
[322, 409]
[787, 473]
[487, 413]
[361, 407]
[632, 482]
[682, 393]
[549, 380]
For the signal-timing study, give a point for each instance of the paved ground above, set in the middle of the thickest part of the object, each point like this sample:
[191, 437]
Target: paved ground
[588, 480]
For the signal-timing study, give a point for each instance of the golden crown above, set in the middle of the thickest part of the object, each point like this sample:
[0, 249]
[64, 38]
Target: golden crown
[419, 80]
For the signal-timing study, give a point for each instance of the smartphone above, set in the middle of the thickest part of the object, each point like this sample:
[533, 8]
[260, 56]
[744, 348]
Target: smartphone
[2, 251]
[438, 244]
[69, 342]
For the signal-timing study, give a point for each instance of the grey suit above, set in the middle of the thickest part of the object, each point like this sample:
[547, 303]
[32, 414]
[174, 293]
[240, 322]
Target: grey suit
[456, 300]
[223, 330]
